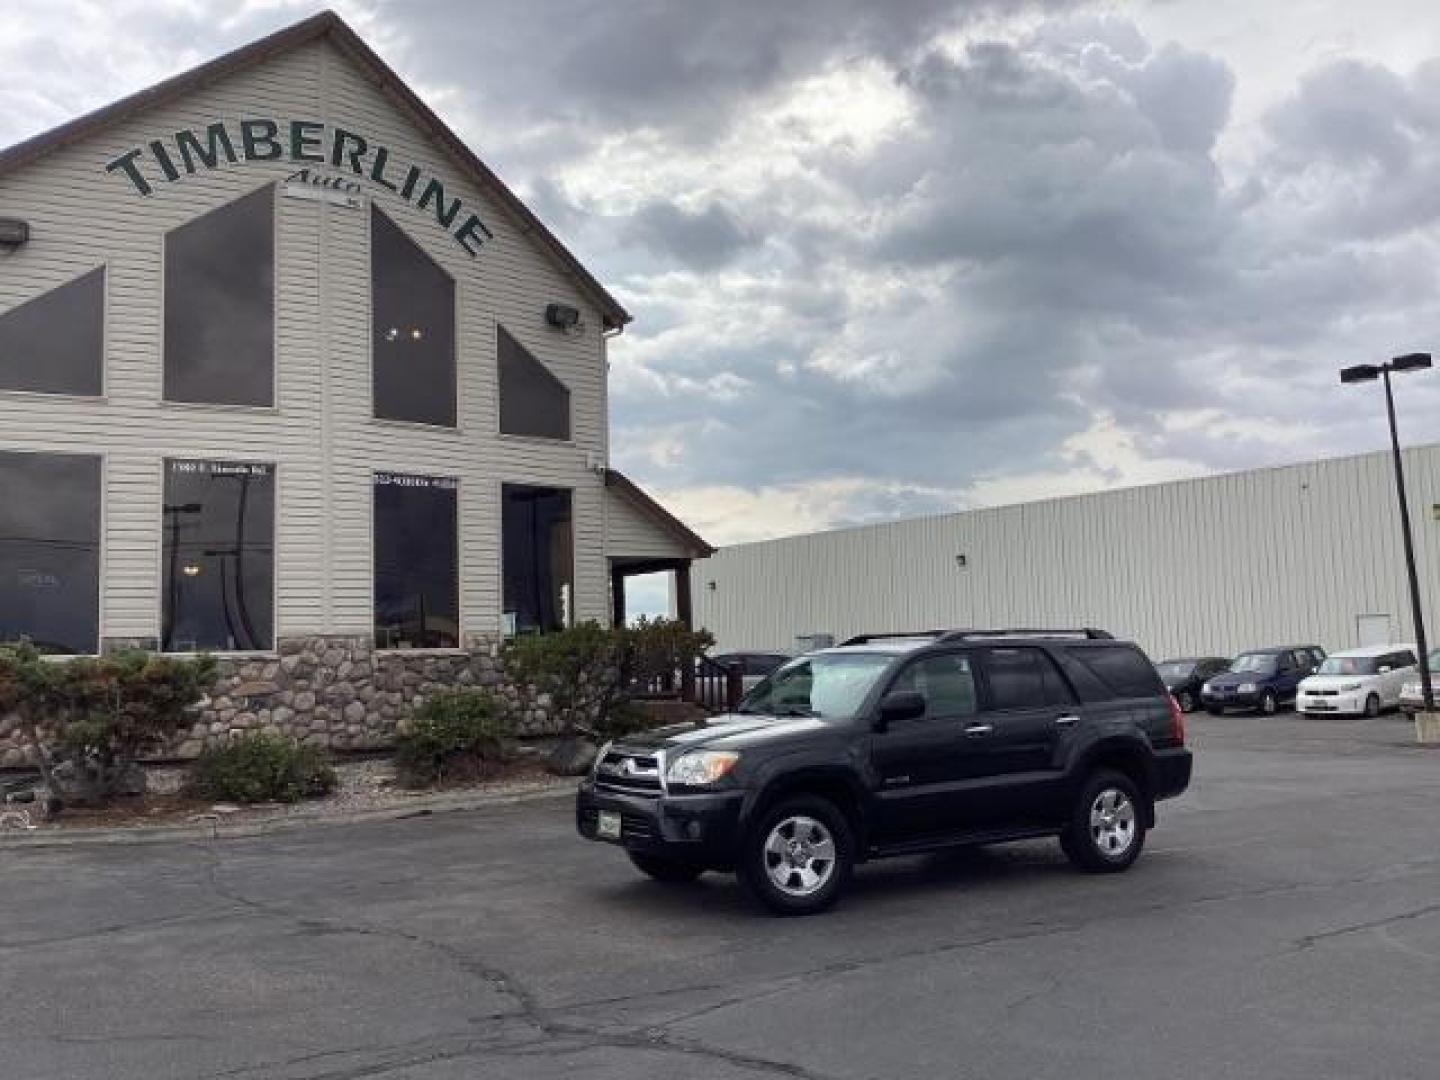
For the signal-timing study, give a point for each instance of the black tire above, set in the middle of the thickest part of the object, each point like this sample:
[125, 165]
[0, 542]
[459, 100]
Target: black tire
[1091, 846]
[760, 863]
[1269, 703]
[1186, 700]
[670, 871]
[1372, 706]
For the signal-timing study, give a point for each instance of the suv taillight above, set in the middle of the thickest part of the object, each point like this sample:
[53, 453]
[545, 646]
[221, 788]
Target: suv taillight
[1177, 721]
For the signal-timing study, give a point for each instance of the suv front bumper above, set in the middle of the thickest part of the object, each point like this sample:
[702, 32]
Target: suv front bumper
[701, 828]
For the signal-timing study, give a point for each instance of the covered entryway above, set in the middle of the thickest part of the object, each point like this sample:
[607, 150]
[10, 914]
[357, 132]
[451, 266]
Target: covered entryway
[641, 538]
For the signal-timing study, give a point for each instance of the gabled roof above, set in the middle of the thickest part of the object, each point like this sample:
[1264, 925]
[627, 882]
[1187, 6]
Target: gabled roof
[326, 24]
[668, 522]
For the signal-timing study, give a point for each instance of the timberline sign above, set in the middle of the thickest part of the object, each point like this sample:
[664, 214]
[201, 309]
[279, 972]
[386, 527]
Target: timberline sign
[306, 143]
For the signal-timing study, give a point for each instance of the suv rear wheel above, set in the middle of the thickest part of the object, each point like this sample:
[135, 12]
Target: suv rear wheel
[797, 858]
[1107, 828]
[663, 869]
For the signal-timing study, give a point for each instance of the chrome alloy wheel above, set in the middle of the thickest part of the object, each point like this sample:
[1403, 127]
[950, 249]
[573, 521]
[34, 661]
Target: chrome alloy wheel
[1112, 823]
[800, 856]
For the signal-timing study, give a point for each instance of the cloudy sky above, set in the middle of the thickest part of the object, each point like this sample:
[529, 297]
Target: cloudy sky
[892, 258]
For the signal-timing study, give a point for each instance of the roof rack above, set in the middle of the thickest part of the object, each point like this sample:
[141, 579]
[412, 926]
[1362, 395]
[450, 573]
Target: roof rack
[898, 635]
[1088, 633]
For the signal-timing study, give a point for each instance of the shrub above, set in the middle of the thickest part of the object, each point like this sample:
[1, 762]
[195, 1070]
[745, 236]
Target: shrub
[452, 734]
[590, 672]
[259, 767]
[88, 719]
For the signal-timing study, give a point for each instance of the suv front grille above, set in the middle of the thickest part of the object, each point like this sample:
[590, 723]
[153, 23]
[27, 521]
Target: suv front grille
[628, 774]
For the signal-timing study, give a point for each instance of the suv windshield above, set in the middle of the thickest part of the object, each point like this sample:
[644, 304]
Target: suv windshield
[1259, 662]
[1348, 665]
[1176, 670]
[825, 684]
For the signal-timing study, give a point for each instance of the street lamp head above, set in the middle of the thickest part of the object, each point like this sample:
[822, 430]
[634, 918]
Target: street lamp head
[1359, 373]
[1414, 361]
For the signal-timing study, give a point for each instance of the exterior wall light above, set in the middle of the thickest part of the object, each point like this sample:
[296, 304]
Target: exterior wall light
[14, 232]
[960, 561]
[562, 316]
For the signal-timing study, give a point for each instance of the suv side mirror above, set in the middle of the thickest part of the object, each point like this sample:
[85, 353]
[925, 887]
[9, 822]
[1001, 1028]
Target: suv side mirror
[898, 706]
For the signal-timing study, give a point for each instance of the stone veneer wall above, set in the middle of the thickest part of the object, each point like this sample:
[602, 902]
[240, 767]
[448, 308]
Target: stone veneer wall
[335, 692]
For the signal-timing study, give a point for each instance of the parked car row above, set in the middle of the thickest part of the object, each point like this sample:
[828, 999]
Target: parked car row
[1358, 682]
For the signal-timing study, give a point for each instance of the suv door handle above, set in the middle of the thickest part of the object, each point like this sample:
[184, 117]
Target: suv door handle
[976, 731]
[1066, 720]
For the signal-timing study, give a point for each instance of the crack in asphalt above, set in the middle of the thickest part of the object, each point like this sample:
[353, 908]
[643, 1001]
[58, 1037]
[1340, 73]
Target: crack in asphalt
[551, 1027]
[1309, 941]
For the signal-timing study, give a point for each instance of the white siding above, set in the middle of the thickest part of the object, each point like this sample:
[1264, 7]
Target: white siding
[631, 533]
[1214, 565]
[321, 435]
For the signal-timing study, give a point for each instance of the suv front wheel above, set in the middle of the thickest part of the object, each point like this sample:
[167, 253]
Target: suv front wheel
[797, 858]
[1107, 827]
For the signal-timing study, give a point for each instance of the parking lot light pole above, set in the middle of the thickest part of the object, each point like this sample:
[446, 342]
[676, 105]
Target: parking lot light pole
[1368, 373]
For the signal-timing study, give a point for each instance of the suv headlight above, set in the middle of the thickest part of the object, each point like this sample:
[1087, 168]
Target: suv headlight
[595, 768]
[1247, 688]
[701, 767]
[1411, 688]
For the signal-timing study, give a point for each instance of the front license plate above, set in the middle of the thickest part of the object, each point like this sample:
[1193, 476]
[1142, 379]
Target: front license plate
[607, 826]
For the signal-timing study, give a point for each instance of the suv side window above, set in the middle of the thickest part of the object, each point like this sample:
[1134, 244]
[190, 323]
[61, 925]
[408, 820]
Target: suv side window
[1119, 671]
[946, 682]
[1399, 660]
[1024, 678]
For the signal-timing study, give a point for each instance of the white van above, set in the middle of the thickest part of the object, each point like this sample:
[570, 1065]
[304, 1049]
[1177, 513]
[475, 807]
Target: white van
[1357, 681]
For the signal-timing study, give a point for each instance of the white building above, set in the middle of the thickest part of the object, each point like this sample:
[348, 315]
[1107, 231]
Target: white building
[1307, 553]
[282, 362]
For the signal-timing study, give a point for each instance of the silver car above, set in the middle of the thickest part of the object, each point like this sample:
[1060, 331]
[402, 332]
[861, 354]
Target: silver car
[1411, 699]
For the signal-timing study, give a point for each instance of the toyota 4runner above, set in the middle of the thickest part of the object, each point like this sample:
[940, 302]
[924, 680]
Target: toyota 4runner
[897, 744]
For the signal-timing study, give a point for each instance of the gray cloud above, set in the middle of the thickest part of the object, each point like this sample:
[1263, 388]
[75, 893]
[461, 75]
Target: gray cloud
[1037, 240]
[701, 239]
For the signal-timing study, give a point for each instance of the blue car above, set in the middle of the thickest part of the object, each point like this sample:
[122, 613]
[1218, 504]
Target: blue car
[1261, 680]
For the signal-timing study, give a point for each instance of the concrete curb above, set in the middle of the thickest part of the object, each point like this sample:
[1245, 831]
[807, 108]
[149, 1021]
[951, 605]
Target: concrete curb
[218, 828]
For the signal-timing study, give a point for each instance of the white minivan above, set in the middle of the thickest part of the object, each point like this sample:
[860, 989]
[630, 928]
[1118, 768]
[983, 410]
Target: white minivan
[1357, 681]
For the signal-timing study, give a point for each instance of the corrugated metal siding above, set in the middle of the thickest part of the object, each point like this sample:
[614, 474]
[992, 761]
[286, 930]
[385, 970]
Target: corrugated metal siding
[1217, 564]
[321, 435]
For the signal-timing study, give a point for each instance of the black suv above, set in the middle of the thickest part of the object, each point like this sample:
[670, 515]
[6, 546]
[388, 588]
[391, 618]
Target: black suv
[895, 744]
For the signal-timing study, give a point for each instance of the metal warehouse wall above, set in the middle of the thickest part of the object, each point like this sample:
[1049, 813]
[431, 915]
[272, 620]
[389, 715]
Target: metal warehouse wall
[1214, 565]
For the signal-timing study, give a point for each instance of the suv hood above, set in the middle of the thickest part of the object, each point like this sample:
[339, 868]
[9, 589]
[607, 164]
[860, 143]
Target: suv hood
[732, 731]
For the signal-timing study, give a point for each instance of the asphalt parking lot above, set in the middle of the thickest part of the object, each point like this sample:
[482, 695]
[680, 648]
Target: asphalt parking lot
[1284, 922]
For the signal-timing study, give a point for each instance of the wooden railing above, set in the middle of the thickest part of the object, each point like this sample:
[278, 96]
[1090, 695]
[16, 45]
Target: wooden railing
[716, 688]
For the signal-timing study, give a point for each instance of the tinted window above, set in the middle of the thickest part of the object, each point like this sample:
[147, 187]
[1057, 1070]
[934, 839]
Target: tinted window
[220, 305]
[50, 550]
[417, 600]
[532, 400]
[822, 684]
[1400, 659]
[1023, 678]
[218, 556]
[54, 343]
[539, 558]
[413, 310]
[1122, 670]
[947, 683]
